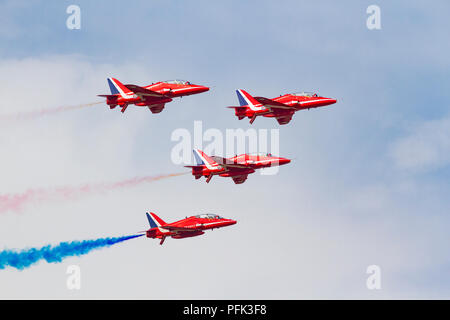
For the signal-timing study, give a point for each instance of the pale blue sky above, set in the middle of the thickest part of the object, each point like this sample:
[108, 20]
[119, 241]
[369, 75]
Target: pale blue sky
[369, 184]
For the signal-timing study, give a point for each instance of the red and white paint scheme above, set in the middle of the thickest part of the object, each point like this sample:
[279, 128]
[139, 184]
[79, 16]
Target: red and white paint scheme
[237, 167]
[154, 96]
[282, 108]
[185, 228]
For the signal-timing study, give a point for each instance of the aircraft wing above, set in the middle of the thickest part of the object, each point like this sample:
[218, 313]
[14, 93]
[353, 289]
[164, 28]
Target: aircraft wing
[224, 162]
[179, 229]
[272, 104]
[142, 92]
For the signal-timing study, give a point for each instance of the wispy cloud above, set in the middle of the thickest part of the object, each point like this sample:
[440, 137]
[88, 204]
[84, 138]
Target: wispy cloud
[426, 148]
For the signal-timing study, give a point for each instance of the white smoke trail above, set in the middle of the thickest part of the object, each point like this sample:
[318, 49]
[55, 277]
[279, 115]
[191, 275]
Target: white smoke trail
[43, 112]
[16, 202]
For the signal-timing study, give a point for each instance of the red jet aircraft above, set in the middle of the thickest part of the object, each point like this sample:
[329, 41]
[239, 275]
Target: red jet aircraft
[189, 227]
[282, 108]
[237, 167]
[154, 96]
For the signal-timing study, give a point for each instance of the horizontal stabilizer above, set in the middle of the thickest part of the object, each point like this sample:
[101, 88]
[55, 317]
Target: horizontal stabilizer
[109, 96]
[238, 109]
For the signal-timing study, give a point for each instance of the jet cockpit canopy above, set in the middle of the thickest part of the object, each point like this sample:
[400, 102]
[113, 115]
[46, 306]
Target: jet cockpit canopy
[208, 216]
[305, 94]
[177, 81]
[261, 154]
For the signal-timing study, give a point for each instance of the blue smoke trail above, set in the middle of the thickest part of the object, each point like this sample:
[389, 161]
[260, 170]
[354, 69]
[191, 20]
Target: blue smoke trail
[25, 258]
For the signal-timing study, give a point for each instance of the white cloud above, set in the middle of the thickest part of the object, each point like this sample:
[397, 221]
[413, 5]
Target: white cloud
[426, 148]
[301, 234]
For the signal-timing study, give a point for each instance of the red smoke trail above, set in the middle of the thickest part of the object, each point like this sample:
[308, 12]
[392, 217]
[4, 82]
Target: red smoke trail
[42, 112]
[16, 202]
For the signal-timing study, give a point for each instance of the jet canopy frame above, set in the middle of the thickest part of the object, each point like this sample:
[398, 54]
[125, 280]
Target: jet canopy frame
[305, 94]
[177, 81]
[260, 154]
[208, 216]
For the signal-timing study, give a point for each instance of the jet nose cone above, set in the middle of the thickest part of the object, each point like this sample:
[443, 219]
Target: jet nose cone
[331, 101]
[284, 161]
[200, 89]
[230, 222]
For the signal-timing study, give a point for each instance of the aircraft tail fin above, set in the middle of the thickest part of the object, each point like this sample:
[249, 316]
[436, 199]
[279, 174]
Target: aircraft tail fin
[203, 159]
[117, 87]
[245, 99]
[154, 220]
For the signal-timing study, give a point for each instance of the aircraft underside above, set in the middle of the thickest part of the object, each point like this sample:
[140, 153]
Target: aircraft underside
[154, 108]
